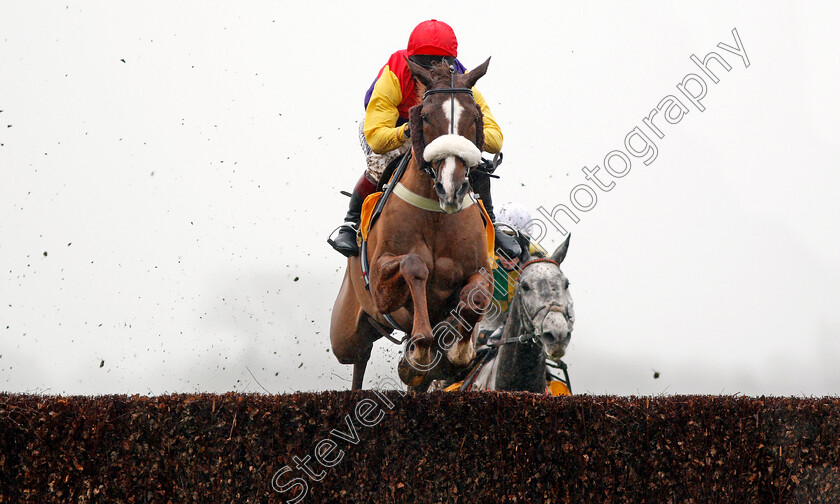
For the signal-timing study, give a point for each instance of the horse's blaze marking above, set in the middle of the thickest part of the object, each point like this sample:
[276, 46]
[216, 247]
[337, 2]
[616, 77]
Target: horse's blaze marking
[447, 110]
[447, 172]
[447, 175]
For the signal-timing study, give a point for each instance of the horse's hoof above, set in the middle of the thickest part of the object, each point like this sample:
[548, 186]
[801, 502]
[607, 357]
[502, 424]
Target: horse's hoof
[408, 374]
[461, 355]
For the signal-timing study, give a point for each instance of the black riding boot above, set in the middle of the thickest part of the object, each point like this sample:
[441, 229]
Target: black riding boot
[505, 243]
[345, 242]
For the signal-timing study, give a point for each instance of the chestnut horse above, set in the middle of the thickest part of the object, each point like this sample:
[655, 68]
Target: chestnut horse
[429, 261]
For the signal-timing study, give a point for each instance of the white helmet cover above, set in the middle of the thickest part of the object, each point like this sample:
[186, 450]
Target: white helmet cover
[516, 215]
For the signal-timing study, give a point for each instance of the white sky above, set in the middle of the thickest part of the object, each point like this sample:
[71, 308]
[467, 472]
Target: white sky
[183, 196]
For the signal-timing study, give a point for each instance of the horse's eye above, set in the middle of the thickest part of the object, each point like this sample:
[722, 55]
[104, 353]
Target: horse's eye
[526, 287]
[567, 285]
[425, 118]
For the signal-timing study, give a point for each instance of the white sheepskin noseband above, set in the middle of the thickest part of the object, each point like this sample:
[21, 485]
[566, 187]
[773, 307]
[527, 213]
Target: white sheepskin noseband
[452, 145]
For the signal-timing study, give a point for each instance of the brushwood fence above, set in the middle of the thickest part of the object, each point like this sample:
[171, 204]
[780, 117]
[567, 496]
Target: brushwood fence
[372, 446]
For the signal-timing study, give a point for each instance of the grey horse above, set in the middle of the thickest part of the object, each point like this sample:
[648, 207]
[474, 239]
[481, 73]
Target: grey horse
[539, 326]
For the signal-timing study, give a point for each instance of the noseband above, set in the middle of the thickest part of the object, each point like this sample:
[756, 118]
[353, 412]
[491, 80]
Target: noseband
[531, 333]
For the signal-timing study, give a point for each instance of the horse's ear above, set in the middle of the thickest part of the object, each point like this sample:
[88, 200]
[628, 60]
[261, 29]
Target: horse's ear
[415, 125]
[422, 75]
[560, 253]
[476, 73]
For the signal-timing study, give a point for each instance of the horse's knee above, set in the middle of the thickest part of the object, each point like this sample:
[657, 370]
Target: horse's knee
[476, 297]
[343, 359]
[352, 349]
[387, 299]
[344, 355]
[412, 267]
[388, 284]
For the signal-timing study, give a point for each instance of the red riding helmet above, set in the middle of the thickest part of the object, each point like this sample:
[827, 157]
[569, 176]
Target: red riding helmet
[433, 38]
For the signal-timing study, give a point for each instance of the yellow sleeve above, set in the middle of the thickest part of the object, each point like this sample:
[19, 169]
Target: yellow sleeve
[382, 114]
[492, 133]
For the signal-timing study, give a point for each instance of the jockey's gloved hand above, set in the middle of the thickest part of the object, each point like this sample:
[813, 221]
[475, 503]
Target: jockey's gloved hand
[497, 334]
[486, 166]
[508, 249]
[406, 131]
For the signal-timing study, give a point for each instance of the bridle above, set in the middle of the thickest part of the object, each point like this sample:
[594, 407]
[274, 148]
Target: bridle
[531, 334]
[531, 330]
[451, 90]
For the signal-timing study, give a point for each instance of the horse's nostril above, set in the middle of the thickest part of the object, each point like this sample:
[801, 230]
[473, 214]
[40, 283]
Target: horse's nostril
[549, 336]
[439, 189]
[463, 189]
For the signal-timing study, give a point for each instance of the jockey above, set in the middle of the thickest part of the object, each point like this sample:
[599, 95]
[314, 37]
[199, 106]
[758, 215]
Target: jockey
[384, 132]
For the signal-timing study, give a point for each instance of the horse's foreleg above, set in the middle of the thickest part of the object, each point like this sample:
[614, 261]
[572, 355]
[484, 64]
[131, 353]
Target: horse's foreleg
[419, 358]
[351, 337]
[393, 275]
[474, 302]
[389, 280]
[415, 272]
[359, 374]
